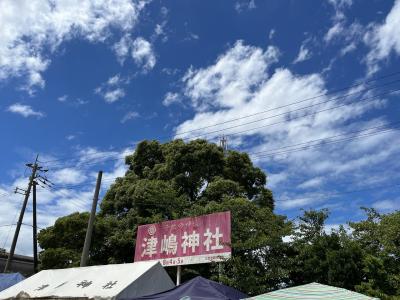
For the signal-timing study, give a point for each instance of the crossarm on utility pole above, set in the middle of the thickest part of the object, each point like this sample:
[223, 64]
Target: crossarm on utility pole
[21, 215]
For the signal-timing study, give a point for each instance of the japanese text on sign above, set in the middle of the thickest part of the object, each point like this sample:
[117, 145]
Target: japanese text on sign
[194, 240]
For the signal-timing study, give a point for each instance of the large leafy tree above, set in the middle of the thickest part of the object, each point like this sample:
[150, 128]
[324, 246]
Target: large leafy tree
[178, 179]
[332, 258]
[174, 180]
[379, 235]
[366, 259]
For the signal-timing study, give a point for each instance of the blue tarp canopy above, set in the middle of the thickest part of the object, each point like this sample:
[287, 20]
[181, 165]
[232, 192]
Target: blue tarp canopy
[198, 288]
[9, 279]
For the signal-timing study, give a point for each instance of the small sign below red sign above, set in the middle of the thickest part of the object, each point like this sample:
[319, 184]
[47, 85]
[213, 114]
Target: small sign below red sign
[194, 240]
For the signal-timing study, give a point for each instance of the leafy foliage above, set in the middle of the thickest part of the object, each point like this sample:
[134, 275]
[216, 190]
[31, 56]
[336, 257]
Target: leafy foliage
[174, 180]
[365, 260]
[177, 179]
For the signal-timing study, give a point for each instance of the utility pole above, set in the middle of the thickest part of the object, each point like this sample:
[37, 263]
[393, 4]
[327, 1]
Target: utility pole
[34, 228]
[223, 142]
[88, 238]
[34, 168]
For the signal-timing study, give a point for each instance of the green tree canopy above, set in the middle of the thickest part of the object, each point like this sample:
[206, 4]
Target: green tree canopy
[177, 179]
[173, 180]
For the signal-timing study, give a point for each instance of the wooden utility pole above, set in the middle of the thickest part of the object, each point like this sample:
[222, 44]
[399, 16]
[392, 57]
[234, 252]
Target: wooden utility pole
[88, 238]
[34, 228]
[34, 168]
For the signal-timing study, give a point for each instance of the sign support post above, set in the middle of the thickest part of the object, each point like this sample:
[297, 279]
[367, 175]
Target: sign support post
[178, 275]
[219, 271]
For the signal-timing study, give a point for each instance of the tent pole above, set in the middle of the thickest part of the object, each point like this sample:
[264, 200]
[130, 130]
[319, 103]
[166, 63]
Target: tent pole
[178, 275]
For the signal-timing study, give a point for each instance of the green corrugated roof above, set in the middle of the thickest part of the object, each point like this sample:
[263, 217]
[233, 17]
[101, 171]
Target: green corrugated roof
[312, 291]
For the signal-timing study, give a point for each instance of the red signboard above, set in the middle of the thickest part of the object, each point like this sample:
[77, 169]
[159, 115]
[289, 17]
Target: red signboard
[186, 241]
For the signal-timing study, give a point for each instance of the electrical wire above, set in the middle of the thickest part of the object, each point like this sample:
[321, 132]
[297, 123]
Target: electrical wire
[293, 103]
[319, 196]
[305, 147]
[290, 104]
[383, 126]
[325, 143]
[368, 99]
[9, 230]
[324, 196]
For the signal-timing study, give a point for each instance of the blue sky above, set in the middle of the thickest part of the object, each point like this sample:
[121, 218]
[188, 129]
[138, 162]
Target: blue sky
[82, 82]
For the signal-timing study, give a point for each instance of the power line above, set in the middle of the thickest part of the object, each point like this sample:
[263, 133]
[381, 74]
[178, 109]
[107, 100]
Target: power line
[319, 196]
[330, 137]
[324, 196]
[5, 194]
[299, 117]
[325, 143]
[262, 112]
[10, 225]
[270, 153]
[94, 157]
[81, 184]
[290, 104]
[9, 230]
[368, 99]
[288, 146]
[287, 113]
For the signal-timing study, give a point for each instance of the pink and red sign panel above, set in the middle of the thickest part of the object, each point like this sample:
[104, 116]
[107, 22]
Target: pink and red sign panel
[186, 241]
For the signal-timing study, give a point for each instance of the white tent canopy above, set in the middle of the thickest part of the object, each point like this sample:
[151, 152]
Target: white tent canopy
[95, 282]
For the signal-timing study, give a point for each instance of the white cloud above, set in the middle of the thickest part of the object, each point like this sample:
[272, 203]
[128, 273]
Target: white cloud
[122, 48]
[231, 79]
[239, 84]
[114, 95]
[387, 205]
[24, 110]
[111, 90]
[339, 7]
[304, 54]
[311, 183]
[171, 98]
[275, 179]
[62, 98]
[160, 32]
[384, 38]
[140, 50]
[114, 80]
[93, 155]
[271, 34]
[289, 203]
[119, 168]
[68, 176]
[129, 116]
[330, 228]
[159, 29]
[336, 30]
[51, 205]
[341, 3]
[245, 5]
[143, 54]
[191, 36]
[29, 30]
[73, 192]
[339, 29]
